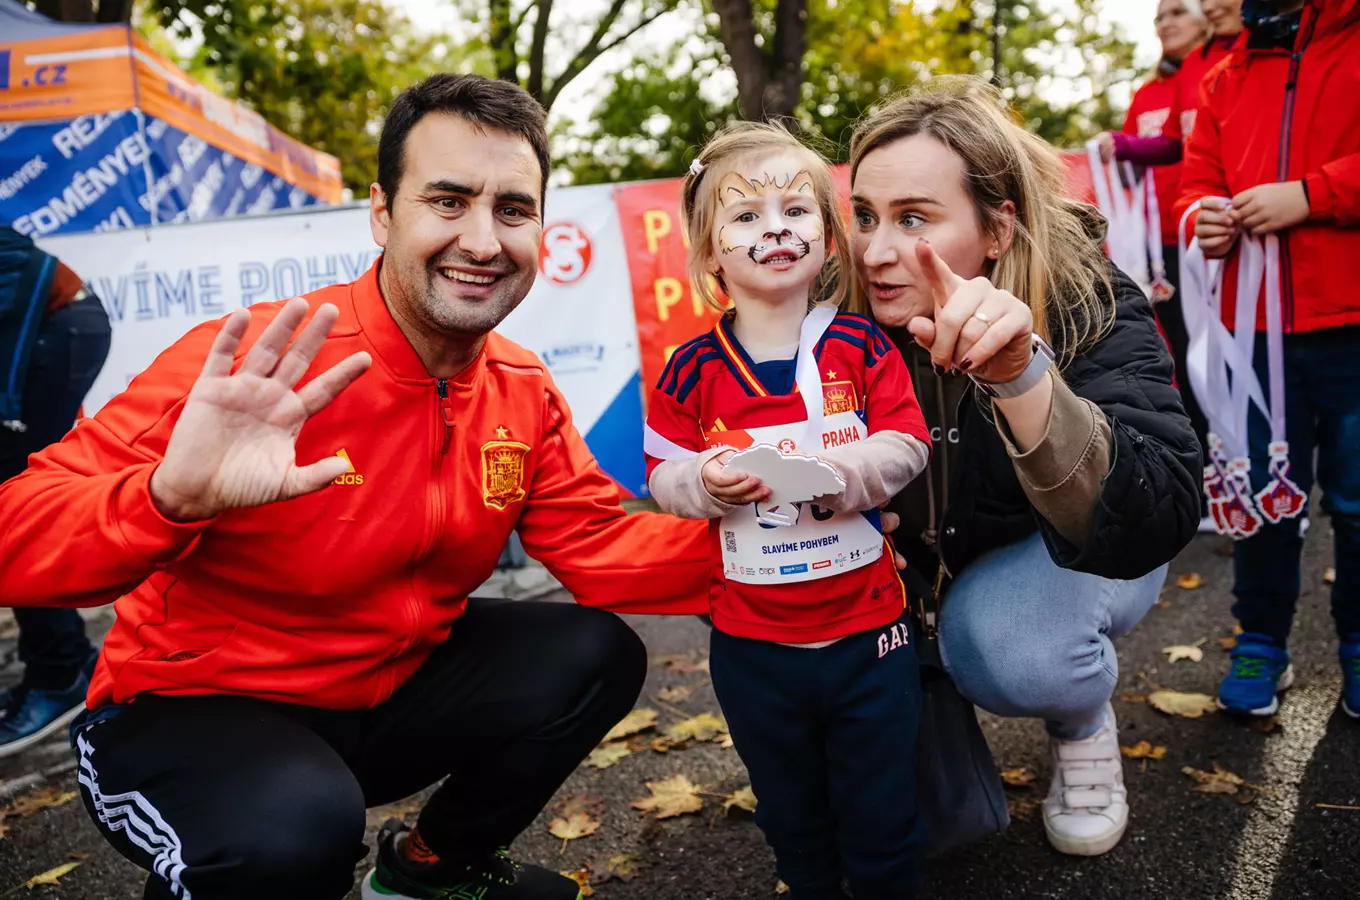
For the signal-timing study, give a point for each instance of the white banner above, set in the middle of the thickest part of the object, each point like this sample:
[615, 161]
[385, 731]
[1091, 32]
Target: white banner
[157, 283]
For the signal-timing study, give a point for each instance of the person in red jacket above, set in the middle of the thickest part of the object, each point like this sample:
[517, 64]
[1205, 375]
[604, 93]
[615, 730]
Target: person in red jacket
[1181, 27]
[289, 524]
[1275, 155]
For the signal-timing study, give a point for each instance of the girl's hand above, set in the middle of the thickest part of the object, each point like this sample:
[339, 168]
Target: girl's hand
[1106, 145]
[1268, 208]
[731, 488]
[1217, 227]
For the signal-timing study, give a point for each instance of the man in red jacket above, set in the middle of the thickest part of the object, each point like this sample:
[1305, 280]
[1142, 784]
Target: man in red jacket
[1276, 134]
[294, 642]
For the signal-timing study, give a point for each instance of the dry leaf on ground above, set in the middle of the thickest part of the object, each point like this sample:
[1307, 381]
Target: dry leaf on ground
[1143, 750]
[1329, 576]
[606, 755]
[580, 803]
[1229, 642]
[662, 744]
[1178, 652]
[703, 727]
[47, 798]
[582, 878]
[573, 827]
[781, 888]
[51, 876]
[1189, 581]
[1187, 706]
[1219, 781]
[675, 796]
[624, 867]
[1021, 808]
[639, 719]
[744, 799]
[1132, 697]
[688, 665]
[678, 694]
[725, 742]
[1265, 725]
[1020, 778]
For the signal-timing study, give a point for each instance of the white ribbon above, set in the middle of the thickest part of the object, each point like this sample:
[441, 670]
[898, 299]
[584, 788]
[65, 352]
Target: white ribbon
[1127, 237]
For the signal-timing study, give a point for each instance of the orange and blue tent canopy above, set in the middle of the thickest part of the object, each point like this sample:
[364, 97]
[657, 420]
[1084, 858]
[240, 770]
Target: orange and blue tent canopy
[97, 130]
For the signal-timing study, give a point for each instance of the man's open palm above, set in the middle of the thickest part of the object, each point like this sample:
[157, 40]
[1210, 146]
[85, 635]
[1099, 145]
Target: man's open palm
[234, 444]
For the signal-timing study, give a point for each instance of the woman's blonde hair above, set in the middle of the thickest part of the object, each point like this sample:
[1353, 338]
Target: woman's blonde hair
[731, 147]
[1055, 264]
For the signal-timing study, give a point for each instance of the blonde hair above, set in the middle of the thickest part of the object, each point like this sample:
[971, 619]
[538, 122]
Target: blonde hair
[733, 145]
[1055, 264]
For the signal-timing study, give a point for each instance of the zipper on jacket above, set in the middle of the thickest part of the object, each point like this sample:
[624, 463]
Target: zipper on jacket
[446, 409]
[1286, 129]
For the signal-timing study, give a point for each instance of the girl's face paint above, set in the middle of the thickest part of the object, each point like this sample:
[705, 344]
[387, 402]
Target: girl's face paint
[769, 236]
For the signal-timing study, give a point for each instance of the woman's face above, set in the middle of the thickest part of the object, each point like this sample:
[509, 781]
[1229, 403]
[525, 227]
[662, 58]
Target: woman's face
[904, 191]
[1178, 31]
[1224, 16]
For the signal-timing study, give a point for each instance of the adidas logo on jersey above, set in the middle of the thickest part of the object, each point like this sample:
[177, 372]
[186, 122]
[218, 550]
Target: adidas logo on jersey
[351, 476]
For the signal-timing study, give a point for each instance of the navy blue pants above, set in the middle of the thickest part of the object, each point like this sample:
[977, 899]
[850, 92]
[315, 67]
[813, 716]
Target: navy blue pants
[829, 738]
[1322, 416]
[69, 351]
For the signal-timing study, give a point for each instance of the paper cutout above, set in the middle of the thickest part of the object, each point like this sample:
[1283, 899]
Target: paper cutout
[791, 477]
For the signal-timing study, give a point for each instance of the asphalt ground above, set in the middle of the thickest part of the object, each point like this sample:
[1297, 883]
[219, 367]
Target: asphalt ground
[1269, 841]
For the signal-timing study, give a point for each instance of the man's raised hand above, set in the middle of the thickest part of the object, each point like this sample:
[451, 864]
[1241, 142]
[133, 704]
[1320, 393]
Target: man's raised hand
[234, 444]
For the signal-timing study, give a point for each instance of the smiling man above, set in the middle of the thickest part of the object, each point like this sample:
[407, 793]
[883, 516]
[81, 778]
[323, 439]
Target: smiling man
[294, 643]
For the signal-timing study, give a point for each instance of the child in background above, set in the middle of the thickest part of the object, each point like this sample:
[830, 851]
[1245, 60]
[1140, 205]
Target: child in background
[812, 653]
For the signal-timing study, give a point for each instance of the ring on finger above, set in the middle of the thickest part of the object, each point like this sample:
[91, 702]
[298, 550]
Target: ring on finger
[984, 318]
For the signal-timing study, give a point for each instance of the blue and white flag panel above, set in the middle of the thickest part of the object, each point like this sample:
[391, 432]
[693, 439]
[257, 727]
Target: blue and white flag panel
[157, 283]
[118, 170]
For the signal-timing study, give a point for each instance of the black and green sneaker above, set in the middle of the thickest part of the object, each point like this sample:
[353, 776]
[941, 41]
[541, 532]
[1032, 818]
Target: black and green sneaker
[496, 877]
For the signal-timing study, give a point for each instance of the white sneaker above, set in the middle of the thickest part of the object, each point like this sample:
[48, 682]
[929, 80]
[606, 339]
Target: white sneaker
[1087, 808]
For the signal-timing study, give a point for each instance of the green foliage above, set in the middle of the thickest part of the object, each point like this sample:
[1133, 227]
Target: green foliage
[323, 71]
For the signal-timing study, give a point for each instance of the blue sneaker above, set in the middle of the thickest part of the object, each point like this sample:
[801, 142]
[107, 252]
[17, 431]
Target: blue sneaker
[1260, 671]
[1349, 652]
[32, 715]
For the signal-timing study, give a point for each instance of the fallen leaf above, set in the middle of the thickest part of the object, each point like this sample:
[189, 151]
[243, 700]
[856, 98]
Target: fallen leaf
[1021, 808]
[606, 755]
[678, 694]
[1247, 797]
[47, 798]
[674, 796]
[744, 799]
[573, 827]
[1265, 725]
[1133, 697]
[781, 888]
[1189, 581]
[725, 742]
[1178, 652]
[582, 878]
[1334, 806]
[688, 664]
[624, 867]
[1187, 706]
[1219, 781]
[662, 744]
[1163, 604]
[1143, 750]
[51, 876]
[1018, 778]
[639, 719]
[1329, 576]
[1227, 643]
[580, 803]
[703, 727]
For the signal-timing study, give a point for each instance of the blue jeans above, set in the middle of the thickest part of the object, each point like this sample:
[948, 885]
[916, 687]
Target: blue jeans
[1322, 416]
[70, 349]
[829, 738]
[1022, 637]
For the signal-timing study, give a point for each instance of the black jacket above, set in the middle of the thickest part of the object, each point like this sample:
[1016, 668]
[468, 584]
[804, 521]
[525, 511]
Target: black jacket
[26, 275]
[1149, 505]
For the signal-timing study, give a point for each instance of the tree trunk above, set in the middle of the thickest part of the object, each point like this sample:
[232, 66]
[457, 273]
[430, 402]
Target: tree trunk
[537, 48]
[67, 10]
[737, 23]
[502, 41]
[783, 92]
[115, 11]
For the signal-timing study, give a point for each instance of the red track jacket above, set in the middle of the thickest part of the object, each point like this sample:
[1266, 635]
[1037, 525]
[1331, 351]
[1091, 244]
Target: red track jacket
[1269, 116]
[334, 599]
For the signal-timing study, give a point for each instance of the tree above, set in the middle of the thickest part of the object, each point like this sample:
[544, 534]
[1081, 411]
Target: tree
[519, 42]
[109, 11]
[766, 51]
[323, 71]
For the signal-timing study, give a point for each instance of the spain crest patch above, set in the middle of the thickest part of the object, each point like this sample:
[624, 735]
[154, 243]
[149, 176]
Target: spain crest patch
[503, 473]
[839, 397]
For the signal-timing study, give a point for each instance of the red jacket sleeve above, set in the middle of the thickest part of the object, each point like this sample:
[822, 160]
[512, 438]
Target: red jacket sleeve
[1334, 191]
[1203, 174]
[889, 395]
[574, 525]
[80, 526]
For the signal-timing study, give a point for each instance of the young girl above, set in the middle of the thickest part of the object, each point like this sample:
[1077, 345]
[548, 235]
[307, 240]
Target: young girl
[811, 650]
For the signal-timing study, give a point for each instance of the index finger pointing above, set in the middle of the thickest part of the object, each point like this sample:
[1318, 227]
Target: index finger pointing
[943, 281]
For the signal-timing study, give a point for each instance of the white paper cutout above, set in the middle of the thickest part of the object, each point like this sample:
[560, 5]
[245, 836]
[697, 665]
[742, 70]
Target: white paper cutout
[791, 477]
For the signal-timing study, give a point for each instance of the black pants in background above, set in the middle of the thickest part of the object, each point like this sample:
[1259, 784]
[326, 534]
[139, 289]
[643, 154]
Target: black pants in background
[227, 798]
[829, 738]
[69, 351]
[1171, 316]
